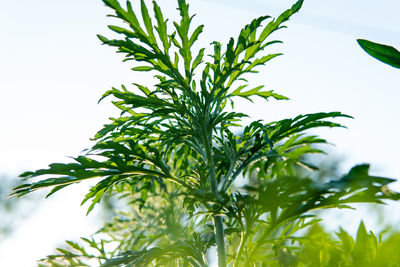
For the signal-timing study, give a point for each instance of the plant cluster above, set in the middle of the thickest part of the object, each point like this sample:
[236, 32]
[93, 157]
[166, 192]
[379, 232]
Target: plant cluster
[176, 150]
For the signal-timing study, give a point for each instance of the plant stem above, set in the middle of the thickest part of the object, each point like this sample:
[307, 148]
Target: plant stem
[218, 223]
[243, 240]
[219, 238]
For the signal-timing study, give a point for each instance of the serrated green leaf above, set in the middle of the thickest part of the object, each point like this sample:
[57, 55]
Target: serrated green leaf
[120, 30]
[198, 59]
[147, 21]
[195, 35]
[256, 92]
[161, 27]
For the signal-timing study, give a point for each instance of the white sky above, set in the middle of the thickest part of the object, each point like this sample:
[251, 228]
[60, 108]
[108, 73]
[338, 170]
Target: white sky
[53, 70]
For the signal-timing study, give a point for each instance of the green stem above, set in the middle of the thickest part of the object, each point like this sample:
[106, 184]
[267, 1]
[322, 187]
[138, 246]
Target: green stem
[219, 238]
[218, 222]
[243, 240]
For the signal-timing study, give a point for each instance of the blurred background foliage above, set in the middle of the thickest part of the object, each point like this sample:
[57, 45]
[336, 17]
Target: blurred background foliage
[13, 211]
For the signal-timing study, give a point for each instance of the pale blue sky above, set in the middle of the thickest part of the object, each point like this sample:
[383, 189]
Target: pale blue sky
[53, 70]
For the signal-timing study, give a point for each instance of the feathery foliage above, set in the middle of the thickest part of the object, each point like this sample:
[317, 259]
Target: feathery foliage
[174, 153]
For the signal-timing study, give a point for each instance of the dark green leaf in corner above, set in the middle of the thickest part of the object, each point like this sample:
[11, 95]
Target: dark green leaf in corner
[384, 53]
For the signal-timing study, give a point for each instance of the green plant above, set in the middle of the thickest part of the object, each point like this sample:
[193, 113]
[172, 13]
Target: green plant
[176, 150]
[366, 249]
